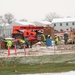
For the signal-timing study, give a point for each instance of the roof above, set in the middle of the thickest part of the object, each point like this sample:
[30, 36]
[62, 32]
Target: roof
[45, 22]
[18, 23]
[25, 23]
[42, 23]
[59, 20]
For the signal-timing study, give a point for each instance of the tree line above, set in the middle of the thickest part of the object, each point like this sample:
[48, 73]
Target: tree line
[9, 17]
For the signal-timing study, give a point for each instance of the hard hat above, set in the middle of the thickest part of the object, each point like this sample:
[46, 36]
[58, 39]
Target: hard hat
[48, 35]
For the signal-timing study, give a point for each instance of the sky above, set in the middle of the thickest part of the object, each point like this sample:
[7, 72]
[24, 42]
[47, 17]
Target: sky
[34, 10]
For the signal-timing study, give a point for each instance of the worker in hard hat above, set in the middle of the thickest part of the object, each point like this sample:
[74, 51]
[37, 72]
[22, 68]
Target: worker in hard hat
[43, 38]
[49, 36]
[9, 43]
[56, 40]
[49, 41]
[22, 41]
[66, 36]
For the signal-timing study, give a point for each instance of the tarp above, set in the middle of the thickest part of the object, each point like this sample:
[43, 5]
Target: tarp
[48, 42]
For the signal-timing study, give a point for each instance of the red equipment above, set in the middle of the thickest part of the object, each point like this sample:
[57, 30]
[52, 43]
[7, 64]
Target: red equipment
[26, 31]
[31, 34]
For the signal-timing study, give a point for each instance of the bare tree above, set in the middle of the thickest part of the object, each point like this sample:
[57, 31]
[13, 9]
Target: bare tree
[1, 19]
[51, 16]
[9, 18]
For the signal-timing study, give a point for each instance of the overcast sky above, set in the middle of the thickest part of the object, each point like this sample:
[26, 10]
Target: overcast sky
[37, 9]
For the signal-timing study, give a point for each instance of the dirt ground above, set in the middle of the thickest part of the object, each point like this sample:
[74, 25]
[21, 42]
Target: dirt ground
[39, 50]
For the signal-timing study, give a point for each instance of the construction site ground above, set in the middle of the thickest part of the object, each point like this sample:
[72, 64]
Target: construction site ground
[39, 50]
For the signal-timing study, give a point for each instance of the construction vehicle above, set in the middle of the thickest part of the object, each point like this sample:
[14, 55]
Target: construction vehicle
[24, 32]
[28, 33]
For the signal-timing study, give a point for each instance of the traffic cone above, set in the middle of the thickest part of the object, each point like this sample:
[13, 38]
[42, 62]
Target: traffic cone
[8, 51]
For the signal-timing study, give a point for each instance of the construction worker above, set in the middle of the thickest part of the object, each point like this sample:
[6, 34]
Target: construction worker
[66, 36]
[9, 43]
[27, 43]
[22, 41]
[56, 40]
[49, 37]
[49, 41]
[44, 38]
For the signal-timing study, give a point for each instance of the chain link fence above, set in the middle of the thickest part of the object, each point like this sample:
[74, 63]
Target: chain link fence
[5, 32]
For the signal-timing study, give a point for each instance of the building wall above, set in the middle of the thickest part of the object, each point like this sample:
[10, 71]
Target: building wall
[49, 31]
[64, 26]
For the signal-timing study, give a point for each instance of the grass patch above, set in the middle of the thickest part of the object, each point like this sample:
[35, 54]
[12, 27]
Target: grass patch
[9, 69]
[39, 64]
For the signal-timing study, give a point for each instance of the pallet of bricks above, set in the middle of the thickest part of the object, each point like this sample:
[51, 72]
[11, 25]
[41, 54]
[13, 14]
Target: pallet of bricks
[2, 45]
[49, 31]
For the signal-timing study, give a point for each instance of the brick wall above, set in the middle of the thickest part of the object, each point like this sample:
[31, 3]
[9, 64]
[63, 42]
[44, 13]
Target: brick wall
[2, 45]
[49, 31]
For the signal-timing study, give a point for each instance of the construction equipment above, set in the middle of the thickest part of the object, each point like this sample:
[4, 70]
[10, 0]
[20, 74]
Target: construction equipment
[28, 33]
[71, 38]
[32, 33]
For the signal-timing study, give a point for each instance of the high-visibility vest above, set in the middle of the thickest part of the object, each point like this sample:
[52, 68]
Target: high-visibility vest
[9, 43]
[22, 41]
[56, 39]
[44, 37]
[50, 37]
